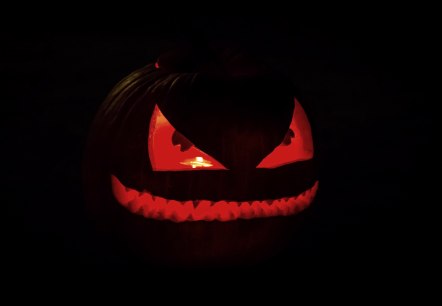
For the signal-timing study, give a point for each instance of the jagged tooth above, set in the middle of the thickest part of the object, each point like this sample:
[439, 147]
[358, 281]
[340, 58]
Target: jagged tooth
[234, 210]
[256, 209]
[148, 197]
[174, 211]
[195, 203]
[173, 217]
[154, 197]
[140, 211]
[221, 211]
[292, 209]
[201, 212]
[265, 209]
[146, 210]
[244, 210]
[274, 208]
[160, 215]
[133, 206]
[281, 211]
[295, 200]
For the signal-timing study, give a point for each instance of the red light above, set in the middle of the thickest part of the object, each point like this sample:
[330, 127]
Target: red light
[301, 146]
[155, 207]
[165, 156]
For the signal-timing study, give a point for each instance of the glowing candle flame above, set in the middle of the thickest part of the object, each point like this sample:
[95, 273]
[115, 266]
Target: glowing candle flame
[197, 162]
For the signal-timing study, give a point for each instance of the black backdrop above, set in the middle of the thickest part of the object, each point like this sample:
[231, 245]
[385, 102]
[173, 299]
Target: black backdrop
[367, 85]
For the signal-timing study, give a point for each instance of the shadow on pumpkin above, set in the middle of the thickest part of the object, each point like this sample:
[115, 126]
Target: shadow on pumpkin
[230, 189]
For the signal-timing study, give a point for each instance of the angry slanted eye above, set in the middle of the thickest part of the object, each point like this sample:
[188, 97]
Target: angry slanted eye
[169, 150]
[297, 144]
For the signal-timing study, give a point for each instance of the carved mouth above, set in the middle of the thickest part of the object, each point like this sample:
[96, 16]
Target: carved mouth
[155, 207]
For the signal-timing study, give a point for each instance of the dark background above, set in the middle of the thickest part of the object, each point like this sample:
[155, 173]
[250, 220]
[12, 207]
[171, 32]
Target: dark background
[366, 81]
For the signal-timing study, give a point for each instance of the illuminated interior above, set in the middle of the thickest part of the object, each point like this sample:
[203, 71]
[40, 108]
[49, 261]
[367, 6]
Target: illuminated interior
[155, 207]
[171, 151]
[300, 147]
[166, 156]
[197, 162]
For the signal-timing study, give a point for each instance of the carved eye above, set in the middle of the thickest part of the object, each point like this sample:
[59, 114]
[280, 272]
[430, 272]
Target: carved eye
[169, 150]
[297, 144]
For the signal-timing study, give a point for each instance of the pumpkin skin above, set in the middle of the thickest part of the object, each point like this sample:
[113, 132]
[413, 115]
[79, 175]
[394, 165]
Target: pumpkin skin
[200, 160]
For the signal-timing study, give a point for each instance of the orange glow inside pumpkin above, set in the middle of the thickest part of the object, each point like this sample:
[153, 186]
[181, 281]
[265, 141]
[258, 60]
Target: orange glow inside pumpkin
[156, 207]
[300, 147]
[165, 156]
[197, 162]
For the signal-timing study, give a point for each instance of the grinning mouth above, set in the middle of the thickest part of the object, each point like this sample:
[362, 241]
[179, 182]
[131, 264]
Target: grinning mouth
[155, 207]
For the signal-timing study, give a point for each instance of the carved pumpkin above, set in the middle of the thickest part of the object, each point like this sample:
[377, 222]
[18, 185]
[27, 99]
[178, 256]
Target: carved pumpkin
[201, 159]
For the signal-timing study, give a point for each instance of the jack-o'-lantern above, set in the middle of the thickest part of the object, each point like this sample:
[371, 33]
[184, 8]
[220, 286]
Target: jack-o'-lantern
[201, 160]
